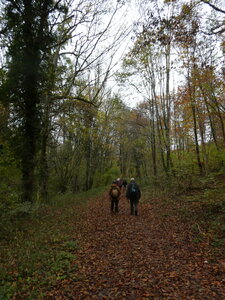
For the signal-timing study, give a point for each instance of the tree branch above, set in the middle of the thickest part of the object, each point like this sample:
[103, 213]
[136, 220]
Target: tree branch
[213, 6]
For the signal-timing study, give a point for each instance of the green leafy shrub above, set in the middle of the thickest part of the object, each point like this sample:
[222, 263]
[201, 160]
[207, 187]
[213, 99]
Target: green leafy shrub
[106, 178]
[216, 158]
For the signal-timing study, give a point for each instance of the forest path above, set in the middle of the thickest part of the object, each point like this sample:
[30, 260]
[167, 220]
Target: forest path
[149, 256]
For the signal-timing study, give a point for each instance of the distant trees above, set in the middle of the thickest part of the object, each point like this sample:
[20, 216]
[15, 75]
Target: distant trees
[175, 66]
[199, 56]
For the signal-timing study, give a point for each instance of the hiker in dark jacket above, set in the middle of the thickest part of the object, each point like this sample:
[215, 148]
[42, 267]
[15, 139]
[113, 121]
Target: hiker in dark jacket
[133, 194]
[114, 194]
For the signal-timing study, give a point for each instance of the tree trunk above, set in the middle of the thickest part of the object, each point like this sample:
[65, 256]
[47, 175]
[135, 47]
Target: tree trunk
[44, 174]
[195, 133]
[31, 131]
[168, 108]
[213, 129]
[219, 115]
[153, 140]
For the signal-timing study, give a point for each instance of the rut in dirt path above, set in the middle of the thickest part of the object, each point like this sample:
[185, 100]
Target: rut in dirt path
[143, 257]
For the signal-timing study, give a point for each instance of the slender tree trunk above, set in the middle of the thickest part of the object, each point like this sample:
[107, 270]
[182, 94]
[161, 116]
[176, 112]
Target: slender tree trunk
[88, 164]
[177, 142]
[219, 114]
[168, 108]
[193, 108]
[213, 129]
[156, 112]
[153, 140]
[202, 135]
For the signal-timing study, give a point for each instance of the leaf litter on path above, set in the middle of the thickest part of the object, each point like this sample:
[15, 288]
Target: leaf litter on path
[139, 257]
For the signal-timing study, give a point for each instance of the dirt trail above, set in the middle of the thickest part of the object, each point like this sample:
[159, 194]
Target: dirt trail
[143, 257]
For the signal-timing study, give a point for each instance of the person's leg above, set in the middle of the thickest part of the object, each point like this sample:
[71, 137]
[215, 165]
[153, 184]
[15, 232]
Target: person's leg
[131, 207]
[112, 205]
[116, 206]
[136, 208]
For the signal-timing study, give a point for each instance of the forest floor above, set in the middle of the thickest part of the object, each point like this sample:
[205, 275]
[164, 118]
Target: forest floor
[154, 255]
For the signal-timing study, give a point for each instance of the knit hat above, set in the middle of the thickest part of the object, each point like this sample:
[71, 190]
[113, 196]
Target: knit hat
[132, 179]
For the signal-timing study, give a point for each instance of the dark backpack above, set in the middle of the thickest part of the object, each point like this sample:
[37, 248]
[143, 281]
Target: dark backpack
[134, 189]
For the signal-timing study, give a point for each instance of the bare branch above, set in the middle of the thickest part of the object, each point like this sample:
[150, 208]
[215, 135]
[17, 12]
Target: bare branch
[213, 6]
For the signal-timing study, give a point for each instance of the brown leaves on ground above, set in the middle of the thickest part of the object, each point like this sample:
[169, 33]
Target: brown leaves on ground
[143, 257]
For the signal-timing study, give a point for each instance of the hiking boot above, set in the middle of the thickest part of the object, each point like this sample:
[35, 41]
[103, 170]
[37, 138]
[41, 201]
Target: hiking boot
[136, 213]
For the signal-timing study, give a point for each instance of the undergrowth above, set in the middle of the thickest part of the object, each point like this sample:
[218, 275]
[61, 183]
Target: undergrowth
[39, 248]
[201, 204]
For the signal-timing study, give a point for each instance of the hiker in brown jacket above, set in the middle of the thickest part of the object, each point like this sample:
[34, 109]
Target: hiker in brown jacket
[114, 194]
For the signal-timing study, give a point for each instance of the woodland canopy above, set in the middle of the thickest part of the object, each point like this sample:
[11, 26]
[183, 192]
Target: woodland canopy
[64, 128]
